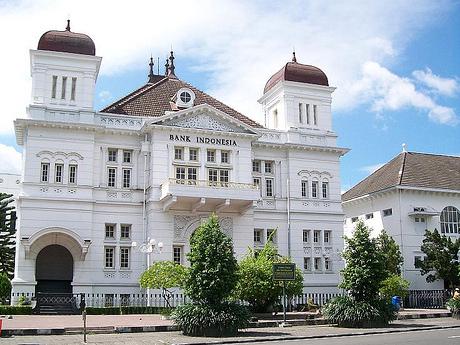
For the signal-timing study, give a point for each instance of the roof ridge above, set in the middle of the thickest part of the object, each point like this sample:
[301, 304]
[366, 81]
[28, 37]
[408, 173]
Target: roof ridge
[401, 170]
[134, 94]
[433, 154]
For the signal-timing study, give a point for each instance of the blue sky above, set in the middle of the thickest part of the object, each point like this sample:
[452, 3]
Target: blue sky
[395, 64]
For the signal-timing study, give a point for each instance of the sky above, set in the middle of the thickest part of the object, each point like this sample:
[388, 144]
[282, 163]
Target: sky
[395, 63]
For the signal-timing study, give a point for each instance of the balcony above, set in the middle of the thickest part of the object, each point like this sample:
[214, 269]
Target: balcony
[208, 196]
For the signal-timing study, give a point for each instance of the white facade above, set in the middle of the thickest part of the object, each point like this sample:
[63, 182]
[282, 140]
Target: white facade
[405, 213]
[10, 184]
[86, 174]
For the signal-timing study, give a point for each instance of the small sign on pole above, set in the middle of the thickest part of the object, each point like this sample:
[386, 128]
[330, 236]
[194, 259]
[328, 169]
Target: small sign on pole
[284, 272]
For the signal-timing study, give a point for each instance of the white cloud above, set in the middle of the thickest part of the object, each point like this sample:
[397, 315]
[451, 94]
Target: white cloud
[388, 91]
[369, 169]
[443, 86]
[105, 96]
[238, 43]
[10, 160]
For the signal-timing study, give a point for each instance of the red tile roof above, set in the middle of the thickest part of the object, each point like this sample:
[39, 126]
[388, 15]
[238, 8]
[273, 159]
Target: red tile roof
[412, 169]
[154, 99]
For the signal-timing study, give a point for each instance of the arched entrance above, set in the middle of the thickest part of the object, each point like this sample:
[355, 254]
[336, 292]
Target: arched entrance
[54, 270]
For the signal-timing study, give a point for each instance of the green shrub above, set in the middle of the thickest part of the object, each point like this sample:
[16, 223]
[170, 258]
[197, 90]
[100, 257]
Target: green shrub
[348, 312]
[124, 310]
[15, 310]
[453, 305]
[394, 285]
[211, 320]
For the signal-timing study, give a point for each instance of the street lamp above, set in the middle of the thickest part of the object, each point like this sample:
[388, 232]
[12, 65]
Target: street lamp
[151, 246]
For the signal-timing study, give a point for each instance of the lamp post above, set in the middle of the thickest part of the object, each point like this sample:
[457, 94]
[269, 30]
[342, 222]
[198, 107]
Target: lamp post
[149, 247]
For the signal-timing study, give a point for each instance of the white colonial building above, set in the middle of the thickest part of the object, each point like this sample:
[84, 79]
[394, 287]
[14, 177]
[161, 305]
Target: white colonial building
[409, 194]
[157, 162]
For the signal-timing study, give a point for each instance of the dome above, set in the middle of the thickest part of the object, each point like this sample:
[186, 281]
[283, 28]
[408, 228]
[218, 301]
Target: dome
[294, 71]
[67, 42]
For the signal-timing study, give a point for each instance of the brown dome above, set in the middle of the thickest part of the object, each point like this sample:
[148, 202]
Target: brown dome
[294, 71]
[67, 42]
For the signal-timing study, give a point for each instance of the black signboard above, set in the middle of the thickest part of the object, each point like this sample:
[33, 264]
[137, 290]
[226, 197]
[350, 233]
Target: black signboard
[283, 272]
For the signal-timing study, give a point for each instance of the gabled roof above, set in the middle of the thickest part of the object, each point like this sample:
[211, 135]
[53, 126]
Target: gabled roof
[411, 169]
[154, 99]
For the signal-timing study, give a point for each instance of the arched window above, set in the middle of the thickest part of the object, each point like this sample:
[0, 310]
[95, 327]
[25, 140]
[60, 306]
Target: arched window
[450, 220]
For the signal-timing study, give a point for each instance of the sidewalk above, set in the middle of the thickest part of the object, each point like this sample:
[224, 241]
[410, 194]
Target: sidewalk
[72, 324]
[252, 335]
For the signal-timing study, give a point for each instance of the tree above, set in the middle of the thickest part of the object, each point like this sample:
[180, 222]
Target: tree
[364, 270]
[164, 275]
[441, 258]
[392, 256]
[7, 235]
[255, 279]
[5, 288]
[210, 282]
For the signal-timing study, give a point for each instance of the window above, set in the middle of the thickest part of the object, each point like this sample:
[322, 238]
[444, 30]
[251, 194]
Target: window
[450, 220]
[126, 178]
[354, 219]
[108, 300]
[112, 177]
[327, 237]
[191, 175]
[315, 115]
[271, 235]
[256, 181]
[327, 264]
[269, 167]
[180, 173]
[124, 257]
[113, 155]
[269, 187]
[193, 155]
[306, 236]
[307, 112]
[225, 157]
[179, 153]
[275, 118]
[258, 236]
[304, 188]
[177, 255]
[109, 257]
[53, 87]
[45, 171]
[110, 231]
[213, 176]
[64, 84]
[325, 189]
[300, 112]
[125, 231]
[223, 175]
[256, 166]
[125, 299]
[127, 156]
[316, 236]
[419, 219]
[211, 156]
[58, 171]
[307, 264]
[417, 261]
[318, 264]
[73, 89]
[73, 174]
[314, 189]
[387, 212]
[369, 216]
[185, 96]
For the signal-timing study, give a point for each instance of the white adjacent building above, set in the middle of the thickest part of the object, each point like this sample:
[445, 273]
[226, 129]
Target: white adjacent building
[157, 162]
[409, 194]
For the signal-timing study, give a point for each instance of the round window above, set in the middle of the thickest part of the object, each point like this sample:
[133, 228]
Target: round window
[185, 97]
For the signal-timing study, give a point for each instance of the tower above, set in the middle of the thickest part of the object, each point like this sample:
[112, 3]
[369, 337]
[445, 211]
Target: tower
[298, 96]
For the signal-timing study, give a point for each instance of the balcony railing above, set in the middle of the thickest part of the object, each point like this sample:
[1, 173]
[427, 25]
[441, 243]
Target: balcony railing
[212, 184]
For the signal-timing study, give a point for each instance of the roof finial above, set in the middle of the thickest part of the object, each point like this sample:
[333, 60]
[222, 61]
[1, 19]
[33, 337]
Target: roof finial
[151, 70]
[294, 59]
[68, 25]
[167, 67]
[171, 65]
[404, 149]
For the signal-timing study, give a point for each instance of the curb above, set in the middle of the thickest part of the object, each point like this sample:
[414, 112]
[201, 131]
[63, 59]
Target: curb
[172, 328]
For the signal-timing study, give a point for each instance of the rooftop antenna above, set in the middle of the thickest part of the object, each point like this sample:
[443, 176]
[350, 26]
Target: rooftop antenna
[68, 24]
[294, 59]
[158, 65]
[404, 149]
[171, 65]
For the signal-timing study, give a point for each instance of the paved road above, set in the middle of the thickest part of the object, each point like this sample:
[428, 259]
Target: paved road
[432, 337]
